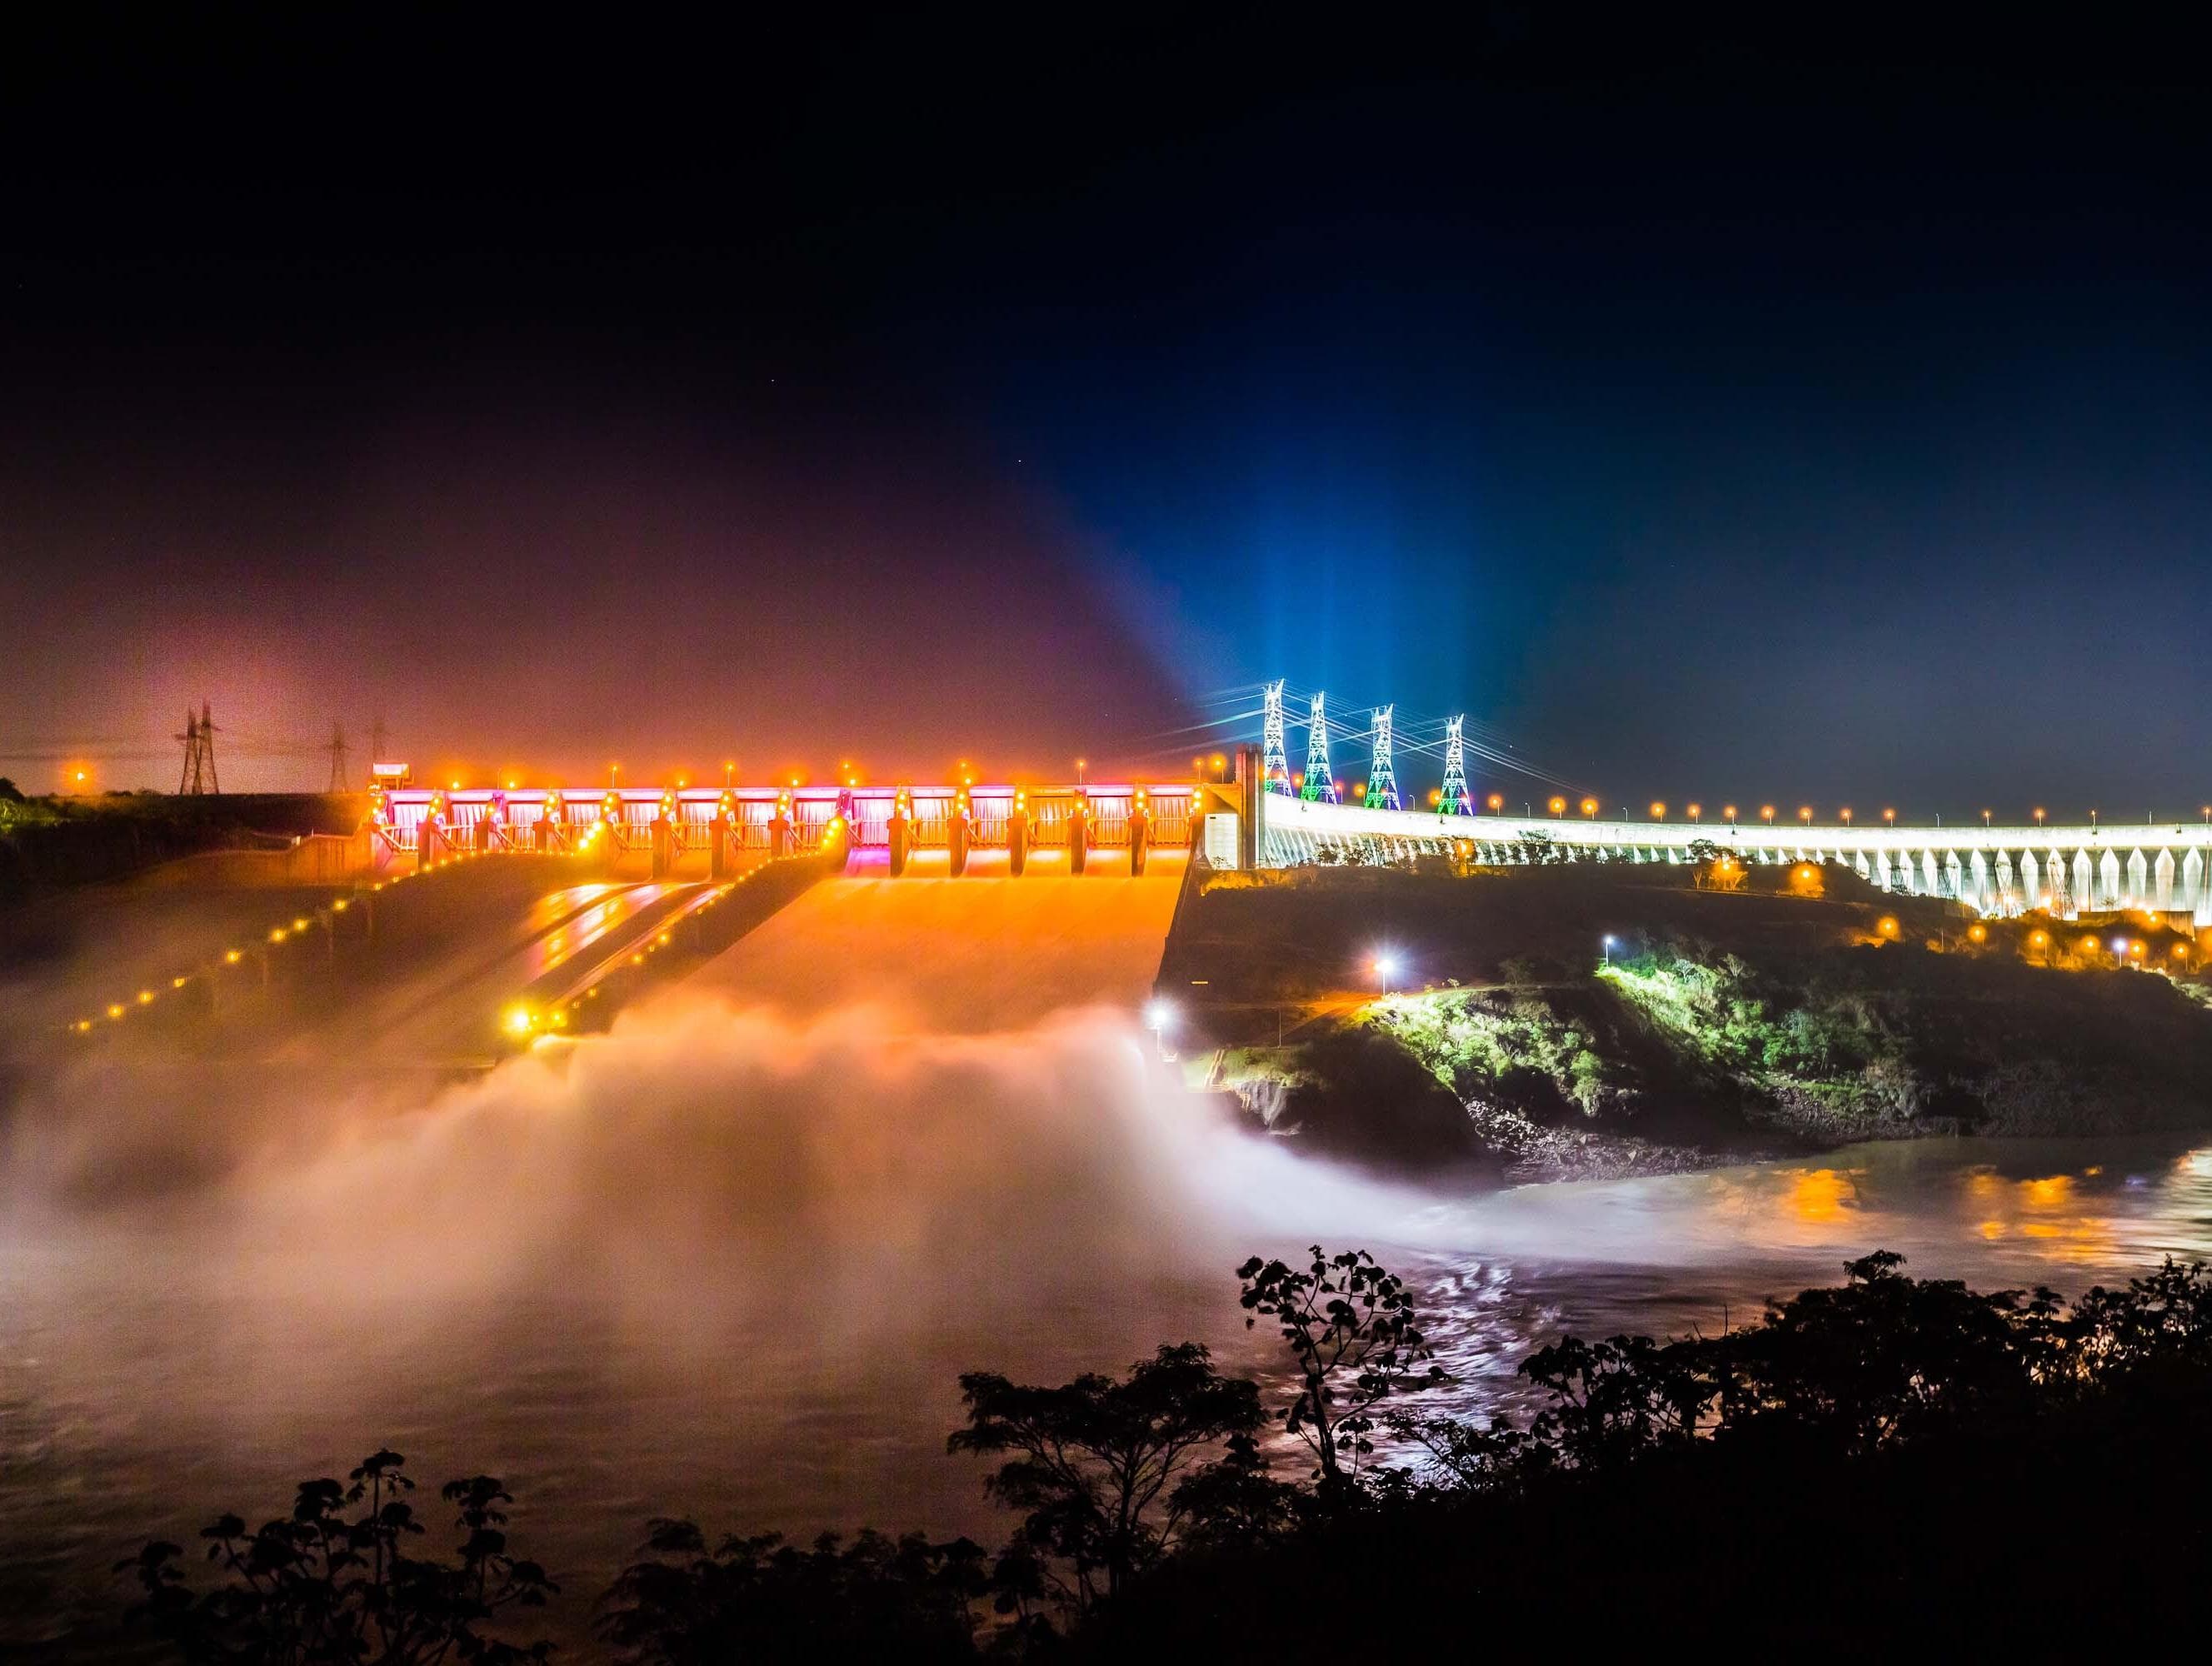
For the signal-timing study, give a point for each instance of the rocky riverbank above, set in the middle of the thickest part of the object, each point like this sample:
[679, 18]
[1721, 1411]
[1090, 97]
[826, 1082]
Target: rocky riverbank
[1735, 1016]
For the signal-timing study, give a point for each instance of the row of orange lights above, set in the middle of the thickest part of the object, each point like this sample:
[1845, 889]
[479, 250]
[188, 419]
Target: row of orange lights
[276, 936]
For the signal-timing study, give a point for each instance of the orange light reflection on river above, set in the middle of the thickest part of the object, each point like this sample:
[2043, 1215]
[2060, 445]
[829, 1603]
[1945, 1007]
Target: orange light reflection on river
[2062, 1217]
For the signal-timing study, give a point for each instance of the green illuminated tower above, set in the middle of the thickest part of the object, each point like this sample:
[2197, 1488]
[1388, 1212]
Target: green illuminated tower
[1382, 780]
[1456, 799]
[1274, 759]
[1320, 786]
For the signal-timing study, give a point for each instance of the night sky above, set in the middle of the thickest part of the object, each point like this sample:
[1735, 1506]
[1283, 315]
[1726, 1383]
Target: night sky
[1711, 408]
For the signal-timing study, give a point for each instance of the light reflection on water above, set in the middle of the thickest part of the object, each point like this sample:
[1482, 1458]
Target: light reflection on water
[152, 1374]
[1667, 1256]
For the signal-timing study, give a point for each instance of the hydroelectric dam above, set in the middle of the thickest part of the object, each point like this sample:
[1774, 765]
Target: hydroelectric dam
[1246, 820]
[1048, 894]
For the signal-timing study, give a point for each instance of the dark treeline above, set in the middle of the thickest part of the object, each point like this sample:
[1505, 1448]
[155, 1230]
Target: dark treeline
[1892, 1460]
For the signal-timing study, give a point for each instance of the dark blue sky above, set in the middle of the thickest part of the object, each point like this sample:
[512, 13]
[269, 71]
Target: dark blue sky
[1718, 410]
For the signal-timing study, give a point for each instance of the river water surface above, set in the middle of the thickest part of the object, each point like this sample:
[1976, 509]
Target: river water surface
[728, 1262]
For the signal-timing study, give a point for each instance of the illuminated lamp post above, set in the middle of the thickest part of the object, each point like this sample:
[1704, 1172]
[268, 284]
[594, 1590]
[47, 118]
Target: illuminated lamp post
[1766, 814]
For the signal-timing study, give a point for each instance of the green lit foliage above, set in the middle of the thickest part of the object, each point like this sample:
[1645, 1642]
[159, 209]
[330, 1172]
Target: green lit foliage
[1745, 1020]
[1519, 1051]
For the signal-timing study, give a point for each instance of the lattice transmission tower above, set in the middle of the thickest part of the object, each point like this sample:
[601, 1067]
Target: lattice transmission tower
[1275, 760]
[199, 776]
[1382, 779]
[336, 747]
[1320, 784]
[1456, 801]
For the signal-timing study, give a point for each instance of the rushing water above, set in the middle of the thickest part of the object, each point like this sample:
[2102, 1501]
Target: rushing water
[729, 1263]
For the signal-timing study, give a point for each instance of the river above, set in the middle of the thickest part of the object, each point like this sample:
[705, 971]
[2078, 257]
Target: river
[728, 1262]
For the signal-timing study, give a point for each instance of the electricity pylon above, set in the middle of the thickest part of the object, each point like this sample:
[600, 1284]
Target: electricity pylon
[1275, 760]
[1455, 801]
[1382, 780]
[198, 775]
[1320, 784]
[188, 779]
[337, 749]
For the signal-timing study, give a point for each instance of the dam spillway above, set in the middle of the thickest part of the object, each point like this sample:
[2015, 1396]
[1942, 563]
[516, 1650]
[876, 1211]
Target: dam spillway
[967, 955]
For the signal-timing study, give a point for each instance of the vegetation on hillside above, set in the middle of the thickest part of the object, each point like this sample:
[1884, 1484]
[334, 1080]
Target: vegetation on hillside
[1732, 1011]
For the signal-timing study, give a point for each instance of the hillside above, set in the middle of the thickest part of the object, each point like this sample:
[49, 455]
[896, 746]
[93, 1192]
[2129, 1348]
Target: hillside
[1421, 1017]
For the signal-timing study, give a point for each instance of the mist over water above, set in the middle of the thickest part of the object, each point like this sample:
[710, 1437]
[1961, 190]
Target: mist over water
[723, 1260]
[728, 1260]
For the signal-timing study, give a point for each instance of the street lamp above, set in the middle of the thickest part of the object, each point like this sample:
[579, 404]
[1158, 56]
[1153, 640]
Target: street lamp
[1846, 812]
[1658, 810]
[1607, 941]
[1693, 810]
[1890, 816]
[1805, 814]
[1766, 814]
[1589, 809]
[1727, 813]
[1558, 807]
[2038, 816]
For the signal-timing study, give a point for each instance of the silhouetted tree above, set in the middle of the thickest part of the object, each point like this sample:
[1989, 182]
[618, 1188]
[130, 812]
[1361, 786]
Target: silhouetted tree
[322, 1585]
[1884, 1356]
[1094, 1463]
[1235, 1501]
[760, 1599]
[1356, 1341]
